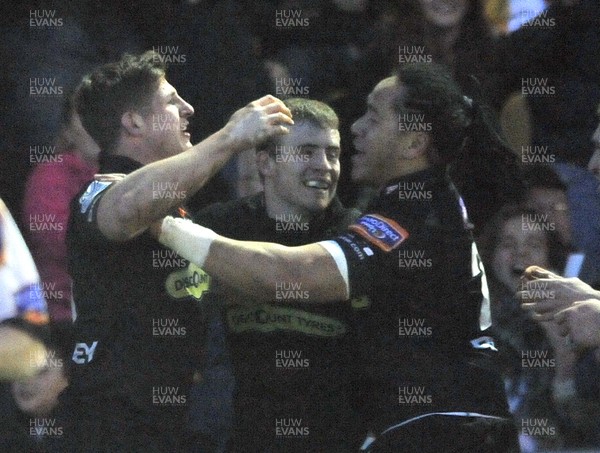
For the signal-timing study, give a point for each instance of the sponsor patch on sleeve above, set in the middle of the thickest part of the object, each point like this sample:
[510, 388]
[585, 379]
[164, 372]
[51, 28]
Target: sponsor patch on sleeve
[380, 231]
[90, 194]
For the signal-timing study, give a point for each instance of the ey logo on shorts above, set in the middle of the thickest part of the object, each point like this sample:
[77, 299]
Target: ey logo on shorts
[380, 231]
[191, 281]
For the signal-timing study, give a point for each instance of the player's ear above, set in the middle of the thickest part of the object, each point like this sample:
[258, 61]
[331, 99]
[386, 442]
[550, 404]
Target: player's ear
[419, 143]
[133, 122]
[265, 163]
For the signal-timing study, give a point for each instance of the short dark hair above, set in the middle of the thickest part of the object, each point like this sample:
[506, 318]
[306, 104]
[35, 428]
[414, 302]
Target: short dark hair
[308, 110]
[112, 89]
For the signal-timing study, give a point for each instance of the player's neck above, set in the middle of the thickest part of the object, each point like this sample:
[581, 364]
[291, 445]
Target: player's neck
[284, 212]
[408, 168]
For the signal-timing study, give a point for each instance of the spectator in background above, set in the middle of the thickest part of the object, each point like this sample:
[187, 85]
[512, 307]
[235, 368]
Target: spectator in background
[548, 195]
[589, 220]
[509, 244]
[49, 190]
[584, 202]
[552, 62]
[454, 33]
[583, 192]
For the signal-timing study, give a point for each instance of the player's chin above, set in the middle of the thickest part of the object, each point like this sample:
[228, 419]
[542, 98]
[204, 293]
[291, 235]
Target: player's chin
[320, 204]
[186, 139]
[186, 144]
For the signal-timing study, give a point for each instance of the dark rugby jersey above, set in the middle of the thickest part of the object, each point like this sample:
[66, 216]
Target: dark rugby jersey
[291, 360]
[412, 254]
[138, 332]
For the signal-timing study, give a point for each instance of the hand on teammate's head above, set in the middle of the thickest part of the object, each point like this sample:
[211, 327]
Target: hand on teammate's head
[258, 121]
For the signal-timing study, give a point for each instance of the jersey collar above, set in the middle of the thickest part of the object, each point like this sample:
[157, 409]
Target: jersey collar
[429, 174]
[118, 164]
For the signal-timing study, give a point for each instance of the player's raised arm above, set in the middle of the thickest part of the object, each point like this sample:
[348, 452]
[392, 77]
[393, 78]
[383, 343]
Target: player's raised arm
[129, 206]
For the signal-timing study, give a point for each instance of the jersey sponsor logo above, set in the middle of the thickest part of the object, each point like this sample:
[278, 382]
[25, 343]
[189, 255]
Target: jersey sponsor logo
[380, 231]
[90, 194]
[350, 239]
[269, 318]
[189, 282]
[84, 353]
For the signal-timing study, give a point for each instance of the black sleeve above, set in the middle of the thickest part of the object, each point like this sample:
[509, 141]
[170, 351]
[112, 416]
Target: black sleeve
[213, 216]
[370, 249]
[84, 212]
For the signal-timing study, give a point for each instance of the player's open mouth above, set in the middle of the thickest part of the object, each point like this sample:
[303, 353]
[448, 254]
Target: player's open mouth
[317, 184]
[184, 130]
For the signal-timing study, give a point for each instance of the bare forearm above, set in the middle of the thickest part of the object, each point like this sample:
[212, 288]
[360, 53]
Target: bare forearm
[148, 194]
[258, 269]
[267, 270]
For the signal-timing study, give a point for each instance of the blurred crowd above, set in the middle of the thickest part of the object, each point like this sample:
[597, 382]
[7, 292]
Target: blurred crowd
[535, 62]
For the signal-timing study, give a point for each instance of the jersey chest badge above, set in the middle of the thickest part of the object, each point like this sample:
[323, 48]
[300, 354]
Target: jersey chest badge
[380, 231]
